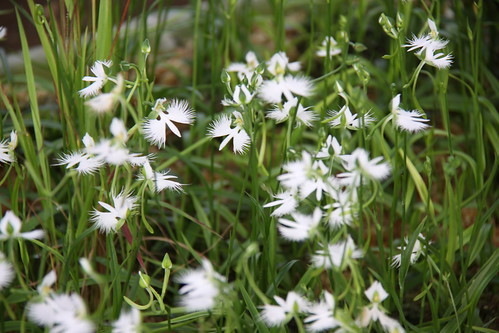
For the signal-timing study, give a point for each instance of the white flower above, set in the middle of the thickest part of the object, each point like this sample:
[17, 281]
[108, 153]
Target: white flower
[247, 69]
[10, 227]
[178, 111]
[330, 148]
[201, 287]
[342, 211]
[161, 180]
[118, 130]
[105, 102]
[345, 119]
[302, 227]
[7, 149]
[222, 127]
[376, 293]
[108, 221]
[328, 42]
[279, 62]
[240, 96]
[98, 81]
[128, 322]
[6, 272]
[306, 176]
[439, 60]
[411, 121]
[336, 255]
[272, 91]
[275, 315]
[87, 164]
[286, 200]
[61, 313]
[280, 114]
[322, 315]
[359, 167]
[3, 32]
[45, 287]
[416, 252]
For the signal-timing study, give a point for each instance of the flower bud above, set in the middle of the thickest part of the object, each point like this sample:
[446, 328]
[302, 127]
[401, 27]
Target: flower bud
[387, 26]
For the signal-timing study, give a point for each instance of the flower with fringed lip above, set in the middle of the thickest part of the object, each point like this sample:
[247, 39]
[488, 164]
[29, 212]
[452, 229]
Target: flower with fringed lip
[6, 272]
[161, 180]
[322, 314]
[303, 226]
[427, 47]
[7, 149]
[303, 114]
[273, 91]
[411, 121]
[128, 322]
[276, 315]
[61, 313]
[177, 111]
[108, 221]
[359, 167]
[201, 287]
[223, 127]
[337, 254]
[10, 228]
[286, 201]
[98, 80]
[345, 119]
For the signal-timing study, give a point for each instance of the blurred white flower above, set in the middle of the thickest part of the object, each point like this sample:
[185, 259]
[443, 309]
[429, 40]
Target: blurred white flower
[376, 293]
[10, 227]
[62, 313]
[302, 227]
[359, 167]
[161, 180]
[302, 114]
[275, 315]
[223, 127]
[321, 316]
[328, 42]
[416, 252]
[105, 102]
[342, 211]
[108, 221]
[6, 272]
[128, 322]
[45, 287]
[178, 111]
[345, 119]
[330, 148]
[201, 287]
[98, 81]
[272, 91]
[336, 255]
[287, 202]
[245, 69]
[279, 63]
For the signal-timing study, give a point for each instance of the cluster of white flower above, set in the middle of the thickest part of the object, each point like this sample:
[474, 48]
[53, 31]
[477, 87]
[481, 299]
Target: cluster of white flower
[68, 312]
[267, 83]
[106, 151]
